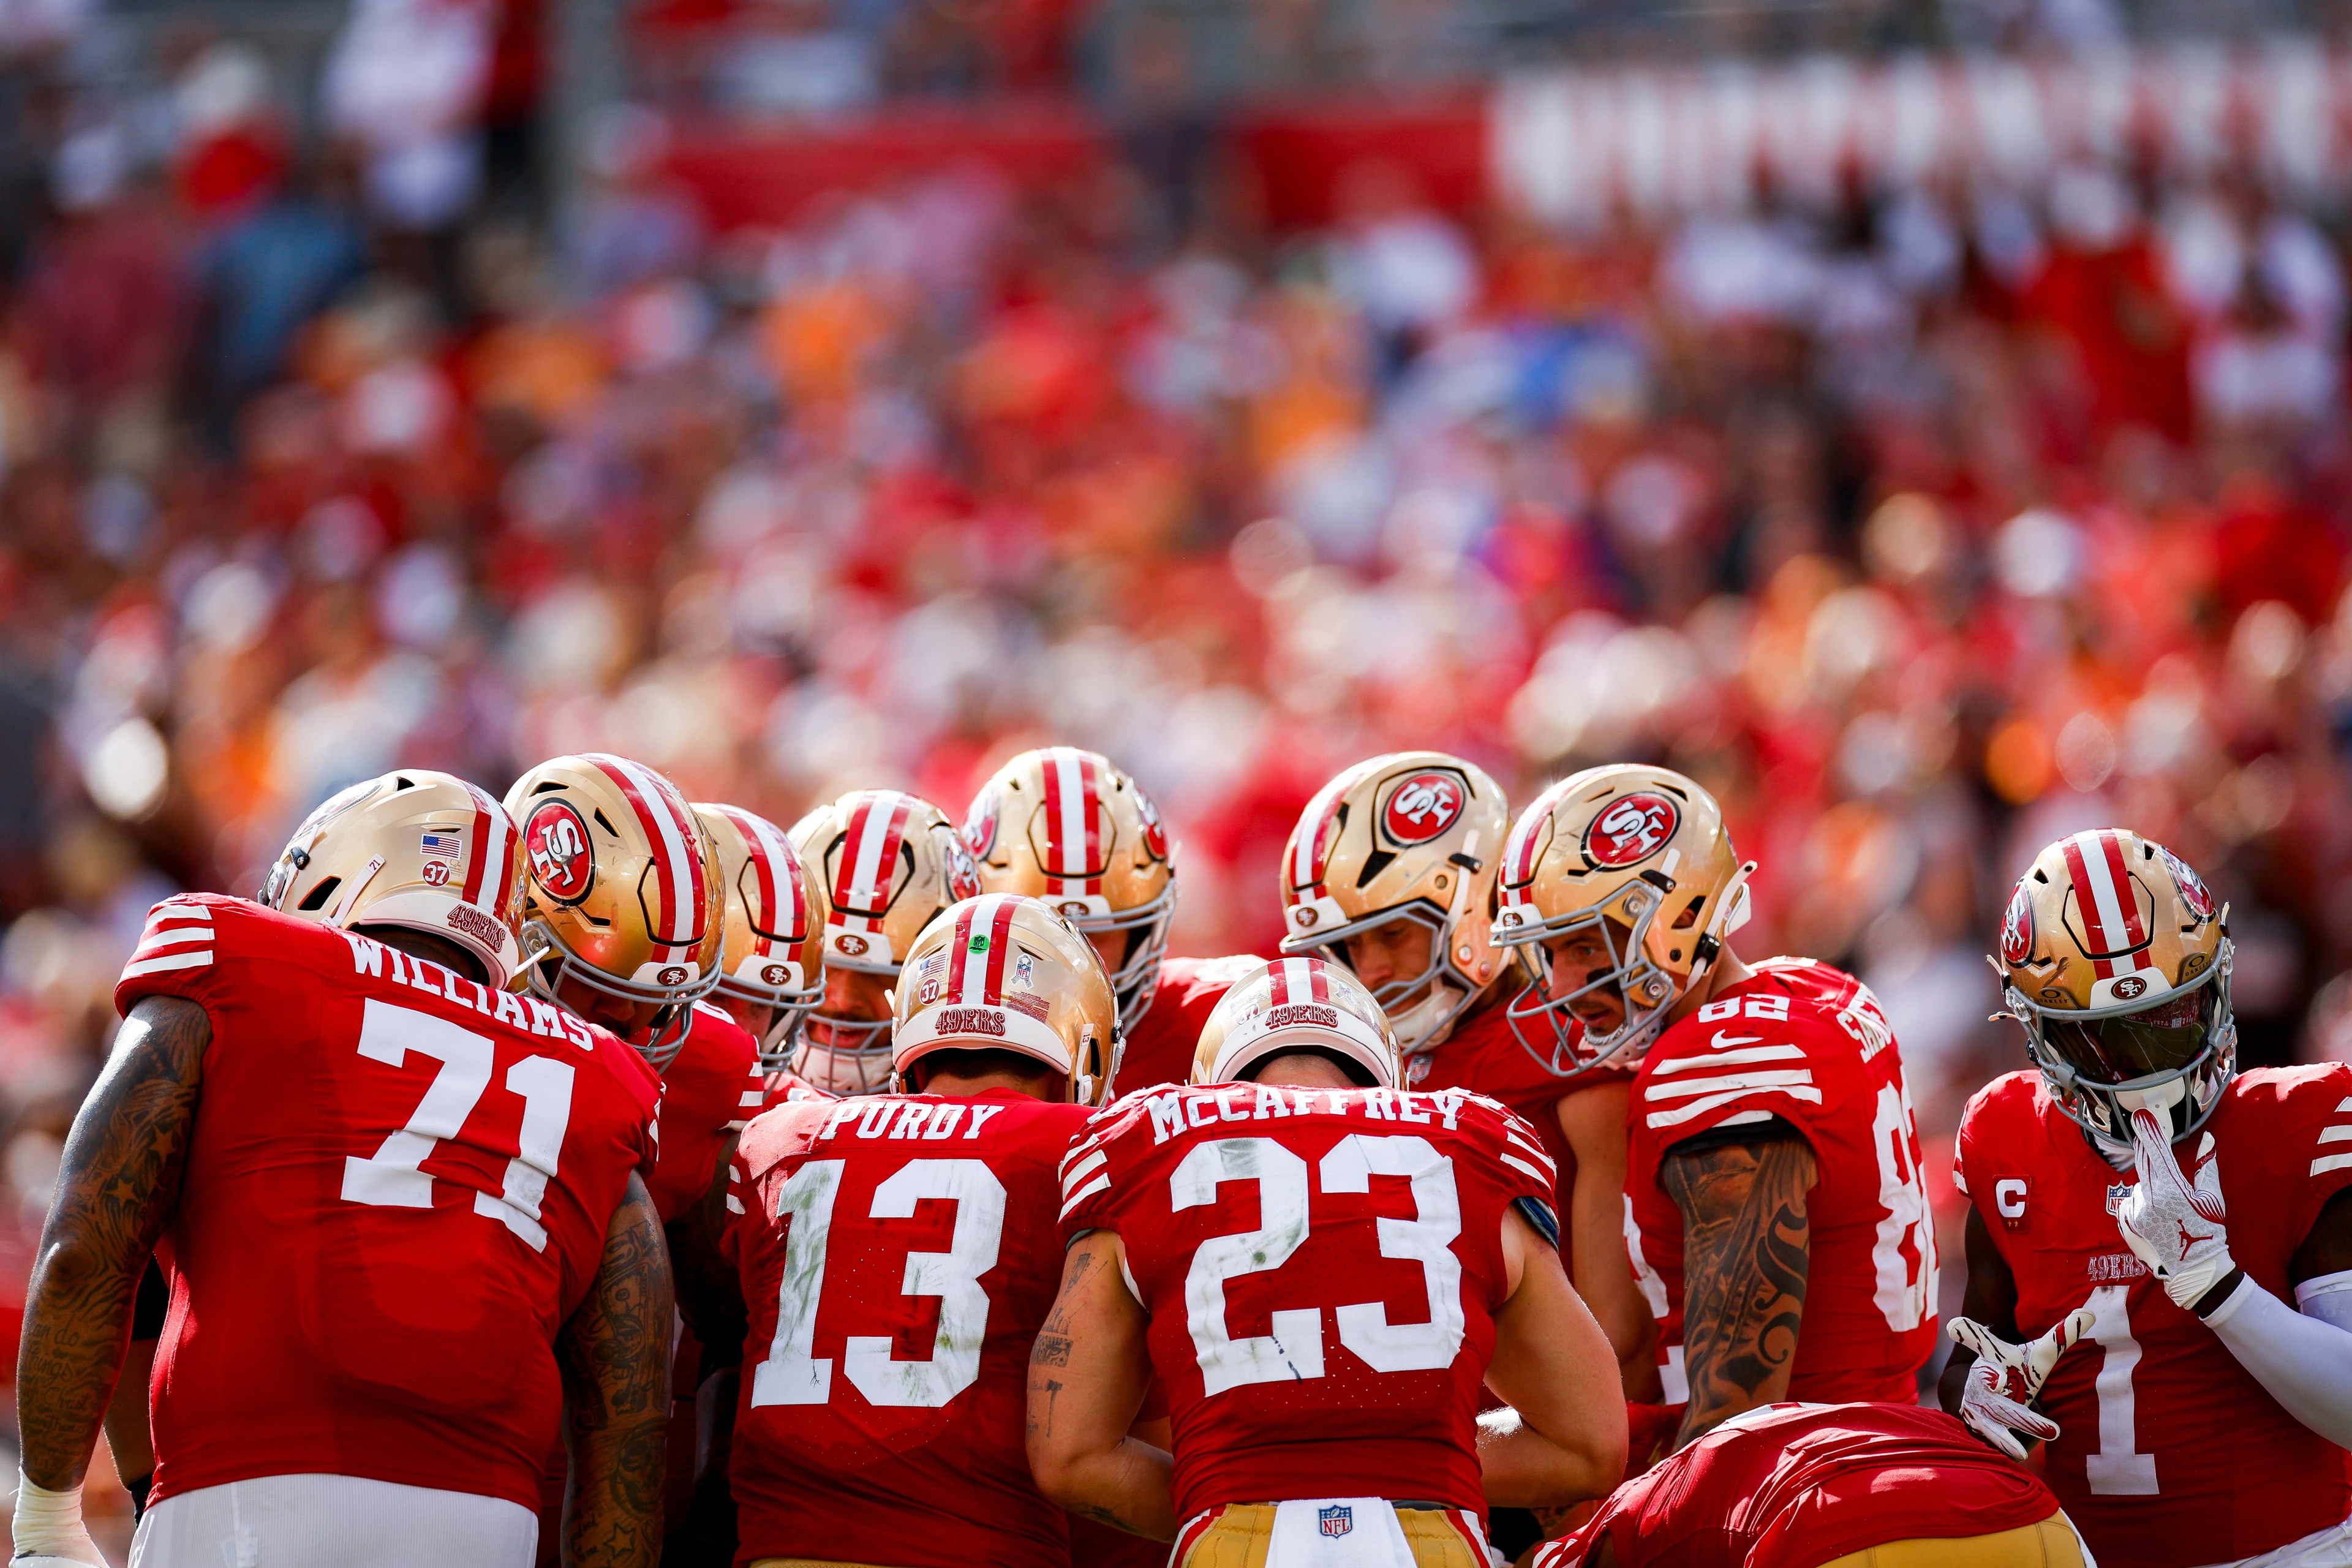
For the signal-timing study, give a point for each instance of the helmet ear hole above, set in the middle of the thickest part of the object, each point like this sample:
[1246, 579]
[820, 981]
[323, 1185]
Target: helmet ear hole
[316, 899]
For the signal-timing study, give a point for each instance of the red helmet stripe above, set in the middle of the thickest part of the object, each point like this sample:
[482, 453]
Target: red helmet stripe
[961, 953]
[2135, 931]
[677, 844]
[478, 848]
[1321, 982]
[877, 825]
[1072, 833]
[493, 852]
[758, 852]
[1519, 850]
[1000, 944]
[1090, 793]
[1309, 852]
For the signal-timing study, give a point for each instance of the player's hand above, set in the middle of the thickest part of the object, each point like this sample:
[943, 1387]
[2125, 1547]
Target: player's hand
[2174, 1226]
[2008, 1378]
[47, 1529]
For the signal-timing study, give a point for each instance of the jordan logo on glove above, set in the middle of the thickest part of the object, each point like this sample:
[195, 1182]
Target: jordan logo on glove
[2164, 1201]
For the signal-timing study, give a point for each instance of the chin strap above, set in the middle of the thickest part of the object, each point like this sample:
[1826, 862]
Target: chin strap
[2303, 1358]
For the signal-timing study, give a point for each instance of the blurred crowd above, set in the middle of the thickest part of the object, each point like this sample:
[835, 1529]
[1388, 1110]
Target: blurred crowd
[1922, 524]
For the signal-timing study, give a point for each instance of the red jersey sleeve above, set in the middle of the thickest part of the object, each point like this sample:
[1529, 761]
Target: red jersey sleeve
[1090, 1196]
[181, 950]
[712, 1085]
[1746, 1058]
[1514, 1160]
[2305, 1160]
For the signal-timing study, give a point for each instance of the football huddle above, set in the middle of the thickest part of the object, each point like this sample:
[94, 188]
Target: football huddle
[599, 1178]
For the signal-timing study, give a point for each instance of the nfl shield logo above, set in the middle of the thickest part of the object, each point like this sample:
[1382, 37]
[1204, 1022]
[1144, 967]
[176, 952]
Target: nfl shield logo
[1337, 1520]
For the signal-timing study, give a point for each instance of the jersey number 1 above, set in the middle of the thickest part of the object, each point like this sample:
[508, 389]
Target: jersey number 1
[393, 1176]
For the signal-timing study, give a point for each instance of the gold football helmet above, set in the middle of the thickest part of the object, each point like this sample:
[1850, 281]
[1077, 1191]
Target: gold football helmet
[1410, 837]
[414, 848]
[2115, 961]
[885, 865]
[1298, 1005]
[1004, 973]
[770, 954]
[1641, 849]
[1066, 826]
[620, 890]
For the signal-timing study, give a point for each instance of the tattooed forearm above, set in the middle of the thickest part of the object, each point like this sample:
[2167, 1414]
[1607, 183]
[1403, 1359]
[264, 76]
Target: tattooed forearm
[614, 1359]
[1743, 1261]
[118, 1185]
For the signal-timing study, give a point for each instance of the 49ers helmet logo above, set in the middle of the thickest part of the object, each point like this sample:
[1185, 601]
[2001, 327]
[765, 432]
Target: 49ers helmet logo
[979, 823]
[2017, 928]
[1421, 807]
[2193, 891]
[1630, 830]
[1155, 832]
[556, 841]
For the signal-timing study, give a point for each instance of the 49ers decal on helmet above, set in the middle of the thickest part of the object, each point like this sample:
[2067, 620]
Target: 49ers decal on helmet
[964, 875]
[1155, 832]
[979, 823]
[556, 840]
[1630, 830]
[1421, 807]
[2193, 890]
[2017, 928]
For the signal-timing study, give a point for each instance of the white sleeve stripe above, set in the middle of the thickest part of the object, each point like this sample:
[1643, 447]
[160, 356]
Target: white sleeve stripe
[737, 1125]
[734, 1203]
[1730, 1058]
[2335, 1135]
[1079, 1151]
[1532, 1152]
[751, 1097]
[2320, 1167]
[170, 961]
[172, 910]
[1100, 1183]
[1745, 1118]
[1550, 1182]
[174, 936]
[1698, 1108]
[1086, 1167]
[1730, 1080]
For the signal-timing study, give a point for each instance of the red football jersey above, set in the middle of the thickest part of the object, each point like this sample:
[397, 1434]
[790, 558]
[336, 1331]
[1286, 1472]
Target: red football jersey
[1160, 1045]
[898, 1254]
[398, 1190]
[2168, 1453]
[1322, 1268]
[1806, 1044]
[713, 1086]
[783, 1086]
[1484, 1056]
[1789, 1486]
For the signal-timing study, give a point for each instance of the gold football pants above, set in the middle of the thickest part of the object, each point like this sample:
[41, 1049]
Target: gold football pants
[2049, 1544]
[1240, 1534]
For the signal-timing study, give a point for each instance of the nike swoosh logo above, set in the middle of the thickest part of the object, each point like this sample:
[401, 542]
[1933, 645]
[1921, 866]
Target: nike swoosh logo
[1722, 1041]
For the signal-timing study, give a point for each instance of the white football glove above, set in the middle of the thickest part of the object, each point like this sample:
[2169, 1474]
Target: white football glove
[47, 1528]
[2007, 1378]
[2176, 1228]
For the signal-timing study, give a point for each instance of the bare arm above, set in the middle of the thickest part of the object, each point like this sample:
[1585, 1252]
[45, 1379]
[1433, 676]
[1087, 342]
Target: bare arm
[1744, 1259]
[119, 1185]
[613, 1354]
[1553, 1364]
[1593, 1119]
[1088, 1373]
[1991, 1298]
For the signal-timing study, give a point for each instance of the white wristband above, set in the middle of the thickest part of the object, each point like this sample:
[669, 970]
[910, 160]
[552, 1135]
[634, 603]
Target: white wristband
[49, 1524]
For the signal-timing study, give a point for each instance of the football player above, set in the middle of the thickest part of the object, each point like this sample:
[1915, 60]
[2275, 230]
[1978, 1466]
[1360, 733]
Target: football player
[1322, 1270]
[623, 916]
[401, 1217]
[885, 865]
[774, 956]
[1827, 1486]
[1781, 1224]
[2190, 1222]
[1391, 871]
[1067, 827]
[898, 1253]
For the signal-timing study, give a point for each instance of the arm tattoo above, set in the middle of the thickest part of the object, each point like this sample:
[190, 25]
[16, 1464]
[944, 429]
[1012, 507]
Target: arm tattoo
[119, 1185]
[613, 1356]
[1743, 1261]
